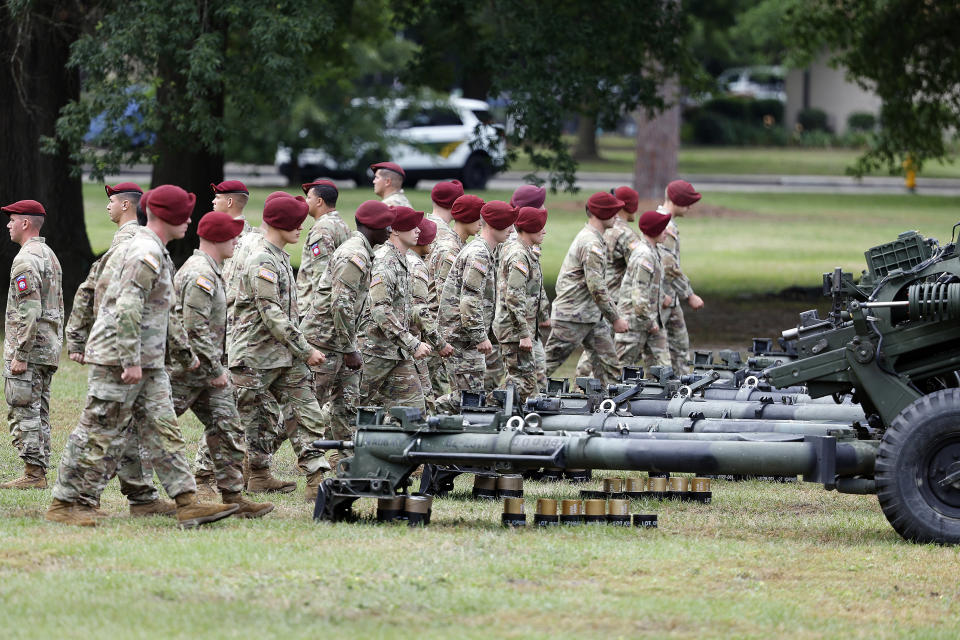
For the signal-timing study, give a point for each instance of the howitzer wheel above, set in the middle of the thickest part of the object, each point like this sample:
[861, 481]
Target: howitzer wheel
[918, 469]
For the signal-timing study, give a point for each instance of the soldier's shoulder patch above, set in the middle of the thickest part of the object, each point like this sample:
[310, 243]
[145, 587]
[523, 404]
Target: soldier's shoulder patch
[520, 266]
[597, 250]
[646, 265]
[450, 257]
[359, 261]
[375, 281]
[23, 285]
[205, 283]
[479, 266]
[267, 274]
[315, 249]
[151, 261]
[633, 244]
[671, 231]
[421, 272]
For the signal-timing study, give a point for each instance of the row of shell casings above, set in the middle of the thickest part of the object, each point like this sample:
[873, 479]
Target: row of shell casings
[656, 488]
[494, 487]
[575, 512]
[414, 508]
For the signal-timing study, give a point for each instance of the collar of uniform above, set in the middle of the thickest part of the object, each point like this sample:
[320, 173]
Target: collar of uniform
[213, 263]
[400, 258]
[662, 210]
[593, 230]
[366, 245]
[35, 239]
[332, 214]
[128, 223]
[272, 247]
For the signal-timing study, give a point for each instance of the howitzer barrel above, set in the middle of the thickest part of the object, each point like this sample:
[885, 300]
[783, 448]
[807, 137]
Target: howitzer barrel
[754, 410]
[753, 394]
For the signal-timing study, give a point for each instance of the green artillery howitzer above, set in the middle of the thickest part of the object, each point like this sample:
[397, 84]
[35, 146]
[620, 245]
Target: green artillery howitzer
[893, 340]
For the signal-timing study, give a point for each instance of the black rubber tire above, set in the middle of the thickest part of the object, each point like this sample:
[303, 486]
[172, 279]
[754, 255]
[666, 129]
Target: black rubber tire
[918, 449]
[476, 172]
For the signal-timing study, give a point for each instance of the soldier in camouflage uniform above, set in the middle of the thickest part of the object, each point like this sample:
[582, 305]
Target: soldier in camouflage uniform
[446, 247]
[680, 196]
[268, 356]
[443, 195]
[127, 348]
[332, 322]
[583, 306]
[328, 232]
[202, 310]
[423, 296]
[621, 240]
[389, 347]
[520, 296]
[642, 299]
[33, 337]
[133, 471]
[388, 183]
[467, 304]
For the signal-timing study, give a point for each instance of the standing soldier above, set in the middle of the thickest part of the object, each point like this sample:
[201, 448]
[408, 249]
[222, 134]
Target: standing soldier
[642, 299]
[443, 195]
[230, 197]
[268, 355]
[467, 305]
[680, 196]
[388, 183]
[583, 309]
[520, 297]
[389, 348]
[423, 296]
[466, 223]
[201, 308]
[332, 322]
[33, 337]
[328, 232]
[128, 387]
[621, 240]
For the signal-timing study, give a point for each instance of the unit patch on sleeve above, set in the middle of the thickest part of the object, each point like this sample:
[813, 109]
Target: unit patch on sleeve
[151, 262]
[22, 285]
[375, 281]
[646, 265]
[479, 266]
[597, 250]
[451, 258]
[267, 275]
[522, 268]
[359, 261]
[315, 249]
[205, 283]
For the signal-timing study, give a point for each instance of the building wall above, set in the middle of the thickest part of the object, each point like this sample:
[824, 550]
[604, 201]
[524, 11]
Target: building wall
[828, 90]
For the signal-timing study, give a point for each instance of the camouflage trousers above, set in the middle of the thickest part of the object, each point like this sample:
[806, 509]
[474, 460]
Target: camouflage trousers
[28, 399]
[566, 336]
[526, 370]
[216, 409]
[423, 370]
[678, 341]
[466, 370]
[496, 368]
[114, 413]
[438, 376]
[338, 394]
[390, 383]
[203, 461]
[636, 348]
[260, 394]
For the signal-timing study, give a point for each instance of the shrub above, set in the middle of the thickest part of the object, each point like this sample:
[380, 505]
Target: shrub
[761, 108]
[813, 119]
[861, 121]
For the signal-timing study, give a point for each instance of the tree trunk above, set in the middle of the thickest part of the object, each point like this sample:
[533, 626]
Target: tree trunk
[658, 140]
[35, 83]
[585, 148]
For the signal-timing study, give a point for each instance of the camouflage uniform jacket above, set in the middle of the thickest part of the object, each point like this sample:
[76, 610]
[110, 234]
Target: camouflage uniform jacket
[135, 323]
[340, 301]
[642, 293]
[423, 297]
[87, 299]
[621, 240]
[201, 306]
[520, 294]
[397, 199]
[582, 294]
[469, 296]
[544, 315]
[675, 283]
[387, 325]
[443, 228]
[265, 333]
[33, 331]
[249, 238]
[446, 248]
[326, 234]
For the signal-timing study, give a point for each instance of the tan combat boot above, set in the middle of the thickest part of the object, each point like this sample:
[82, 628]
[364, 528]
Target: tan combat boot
[313, 485]
[248, 508]
[34, 477]
[206, 485]
[68, 513]
[155, 508]
[261, 481]
[192, 514]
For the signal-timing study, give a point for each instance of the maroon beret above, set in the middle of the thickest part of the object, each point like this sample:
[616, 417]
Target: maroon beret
[630, 198]
[445, 193]
[285, 214]
[170, 203]
[652, 223]
[219, 226]
[123, 187]
[531, 219]
[389, 166]
[406, 219]
[277, 194]
[25, 207]
[375, 214]
[604, 205]
[528, 195]
[230, 186]
[428, 232]
[682, 193]
[498, 214]
[306, 186]
[466, 208]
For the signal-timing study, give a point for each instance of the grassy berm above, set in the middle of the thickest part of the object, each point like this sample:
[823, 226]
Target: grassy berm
[762, 561]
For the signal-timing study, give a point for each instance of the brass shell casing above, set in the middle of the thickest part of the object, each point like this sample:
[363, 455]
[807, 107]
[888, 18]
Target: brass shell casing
[513, 506]
[595, 507]
[546, 507]
[613, 485]
[658, 485]
[636, 485]
[418, 504]
[700, 485]
[571, 508]
[617, 507]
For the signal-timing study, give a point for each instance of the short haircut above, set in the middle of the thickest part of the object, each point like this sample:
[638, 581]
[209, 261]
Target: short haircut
[132, 196]
[393, 176]
[242, 198]
[326, 193]
[141, 214]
